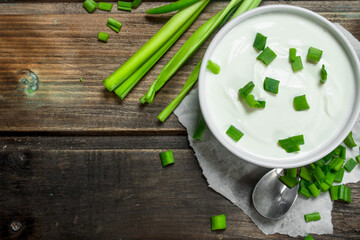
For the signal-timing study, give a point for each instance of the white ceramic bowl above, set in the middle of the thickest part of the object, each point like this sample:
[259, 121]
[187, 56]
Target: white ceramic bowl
[293, 160]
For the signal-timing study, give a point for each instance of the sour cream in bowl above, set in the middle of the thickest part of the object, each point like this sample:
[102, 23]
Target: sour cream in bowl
[334, 105]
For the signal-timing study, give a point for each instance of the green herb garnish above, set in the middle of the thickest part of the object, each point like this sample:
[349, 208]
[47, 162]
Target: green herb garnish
[167, 158]
[200, 129]
[312, 217]
[105, 6]
[171, 7]
[103, 36]
[90, 5]
[234, 133]
[218, 222]
[260, 41]
[213, 67]
[124, 6]
[314, 55]
[114, 24]
[271, 85]
[349, 141]
[296, 65]
[267, 56]
[350, 165]
[292, 54]
[300, 103]
[323, 74]
[291, 144]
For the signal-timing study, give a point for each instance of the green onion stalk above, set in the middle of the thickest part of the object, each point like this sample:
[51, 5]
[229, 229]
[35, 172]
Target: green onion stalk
[160, 39]
[245, 6]
[180, 4]
[186, 51]
[131, 82]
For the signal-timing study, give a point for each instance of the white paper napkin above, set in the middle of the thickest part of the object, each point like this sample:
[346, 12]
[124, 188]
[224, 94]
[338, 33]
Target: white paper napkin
[235, 178]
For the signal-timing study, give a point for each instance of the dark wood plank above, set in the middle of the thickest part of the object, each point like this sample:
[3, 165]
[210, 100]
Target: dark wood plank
[60, 45]
[80, 179]
[92, 191]
[75, 7]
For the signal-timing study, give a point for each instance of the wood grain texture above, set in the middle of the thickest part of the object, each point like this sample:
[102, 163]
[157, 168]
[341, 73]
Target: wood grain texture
[72, 189]
[90, 166]
[58, 42]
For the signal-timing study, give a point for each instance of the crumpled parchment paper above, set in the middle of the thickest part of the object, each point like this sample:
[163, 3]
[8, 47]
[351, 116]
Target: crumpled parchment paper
[235, 178]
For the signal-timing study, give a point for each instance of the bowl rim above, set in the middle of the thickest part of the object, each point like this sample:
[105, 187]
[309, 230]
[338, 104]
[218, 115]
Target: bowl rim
[341, 132]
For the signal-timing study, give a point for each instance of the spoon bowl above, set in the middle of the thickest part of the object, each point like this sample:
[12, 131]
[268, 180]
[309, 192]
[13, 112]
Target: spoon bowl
[271, 198]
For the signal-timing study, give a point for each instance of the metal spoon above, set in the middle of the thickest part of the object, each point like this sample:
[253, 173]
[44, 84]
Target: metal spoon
[271, 198]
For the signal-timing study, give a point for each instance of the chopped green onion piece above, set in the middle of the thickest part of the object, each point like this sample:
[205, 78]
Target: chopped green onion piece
[81, 79]
[329, 178]
[136, 3]
[328, 157]
[124, 6]
[300, 103]
[290, 182]
[334, 192]
[350, 165]
[336, 163]
[337, 150]
[320, 162]
[90, 5]
[114, 24]
[299, 139]
[218, 222]
[314, 190]
[171, 7]
[309, 237]
[312, 166]
[271, 85]
[345, 193]
[103, 36]
[260, 41]
[312, 217]
[296, 65]
[114, 28]
[349, 141]
[243, 92]
[305, 174]
[339, 175]
[318, 174]
[314, 55]
[324, 186]
[291, 172]
[250, 100]
[358, 158]
[213, 67]
[291, 144]
[105, 6]
[343, 152]
[167, 158]
[292, 54]
[326, 169]
[267, 56]
[200, 129]
[304, 183]
[323, 74]
[304, 191]
[234, 133]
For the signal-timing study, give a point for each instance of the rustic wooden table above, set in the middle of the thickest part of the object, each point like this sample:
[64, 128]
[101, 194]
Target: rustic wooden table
[76, 163]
